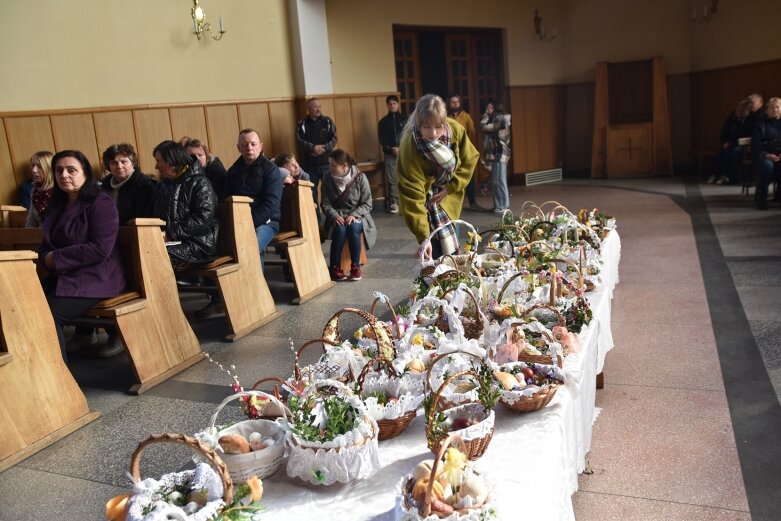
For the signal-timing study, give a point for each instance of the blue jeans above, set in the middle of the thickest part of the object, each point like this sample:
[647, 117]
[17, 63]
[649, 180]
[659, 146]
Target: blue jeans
[499, 185]
[764, 170]
[350, 233]
[264, 234]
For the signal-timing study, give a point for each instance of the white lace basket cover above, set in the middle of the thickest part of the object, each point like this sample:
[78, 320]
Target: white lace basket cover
[530, 390]
[353, 455]
[149, 491]
[406, 388]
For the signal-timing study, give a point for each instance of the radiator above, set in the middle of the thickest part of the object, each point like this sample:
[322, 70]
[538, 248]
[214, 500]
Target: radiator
[544, 176]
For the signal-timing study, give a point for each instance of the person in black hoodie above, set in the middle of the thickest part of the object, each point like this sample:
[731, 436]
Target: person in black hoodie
[130, 188]
[736, 126]
[186, 201]
[316, 138]
[389, 130]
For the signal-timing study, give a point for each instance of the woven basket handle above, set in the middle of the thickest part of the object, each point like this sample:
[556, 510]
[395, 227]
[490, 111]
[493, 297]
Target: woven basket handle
[432, 234]
[469, 292]
[259, 394]
[297, 367]
[385, 347]
[384, 299]
[188, 441]
[572, 264]
[437, 358]
[438, 394]
[532, 210]
[450, 440]
[381, 362]
[506, 285]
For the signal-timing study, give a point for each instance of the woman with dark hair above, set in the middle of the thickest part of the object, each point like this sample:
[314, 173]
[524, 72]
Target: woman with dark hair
[186, 201]
[42, 188]
[212, 167]
[347, 204]
[126, 183]
[79, 248]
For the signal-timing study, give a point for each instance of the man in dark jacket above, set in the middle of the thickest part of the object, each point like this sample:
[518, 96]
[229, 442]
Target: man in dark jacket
[254, 176]
[316, 138]
[389, 130]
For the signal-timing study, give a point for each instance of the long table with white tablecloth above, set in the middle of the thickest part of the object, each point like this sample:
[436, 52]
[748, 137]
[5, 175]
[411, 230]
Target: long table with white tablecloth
[533, 459]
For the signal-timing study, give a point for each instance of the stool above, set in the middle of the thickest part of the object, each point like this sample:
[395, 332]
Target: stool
[346, 261]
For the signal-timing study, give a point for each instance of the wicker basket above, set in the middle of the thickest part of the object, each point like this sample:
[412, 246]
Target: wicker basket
[260, 463]
[473, 324]
[429, 265]
[141, 501]
[394, 328]
[325, 463]
[381, 336]
[414, 511]
[518, 402]
[446, 402]
[388, 427]
[474, 447]
[320, 370]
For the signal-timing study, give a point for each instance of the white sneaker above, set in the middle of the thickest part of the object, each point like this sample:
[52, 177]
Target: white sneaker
[712, 179]
[394, 208]
[723, 180]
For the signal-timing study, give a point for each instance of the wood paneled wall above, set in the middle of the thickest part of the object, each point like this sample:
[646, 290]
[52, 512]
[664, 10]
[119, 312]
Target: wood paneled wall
[715, 93]
[538, 130]
[216, 124]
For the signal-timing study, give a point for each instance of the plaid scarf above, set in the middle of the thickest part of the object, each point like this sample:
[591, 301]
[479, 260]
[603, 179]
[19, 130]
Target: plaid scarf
[439, 153]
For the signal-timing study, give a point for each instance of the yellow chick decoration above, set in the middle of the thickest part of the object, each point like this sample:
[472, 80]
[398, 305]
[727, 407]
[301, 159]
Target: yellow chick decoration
[453, 468]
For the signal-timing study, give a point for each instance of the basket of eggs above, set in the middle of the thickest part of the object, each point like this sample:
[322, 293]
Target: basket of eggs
[447, 487]
[205, 492]
[527, 386]
[252, 447]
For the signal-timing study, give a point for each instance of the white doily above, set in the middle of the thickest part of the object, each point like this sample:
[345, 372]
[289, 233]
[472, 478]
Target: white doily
[149, 491]
[473, 410]
[406, 389]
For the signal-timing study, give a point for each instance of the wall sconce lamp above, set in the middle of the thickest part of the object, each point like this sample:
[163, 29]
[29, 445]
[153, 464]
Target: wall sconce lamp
[539, 29]
[710, 8]
[200, 25]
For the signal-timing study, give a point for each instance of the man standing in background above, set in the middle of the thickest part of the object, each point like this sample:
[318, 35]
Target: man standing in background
[389, 130]
[316, 138]
[456, 111]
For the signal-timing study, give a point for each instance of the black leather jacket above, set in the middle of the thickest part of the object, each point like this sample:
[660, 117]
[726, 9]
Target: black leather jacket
[389, 130]
[188, 205]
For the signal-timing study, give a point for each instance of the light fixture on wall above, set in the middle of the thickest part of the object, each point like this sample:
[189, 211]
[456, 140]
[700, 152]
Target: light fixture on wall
[702, 14]
[200, 25]
[539, 29]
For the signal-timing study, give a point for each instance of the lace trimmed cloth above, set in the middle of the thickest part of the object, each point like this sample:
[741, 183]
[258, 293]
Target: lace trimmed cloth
[149, 496]
[407, 389]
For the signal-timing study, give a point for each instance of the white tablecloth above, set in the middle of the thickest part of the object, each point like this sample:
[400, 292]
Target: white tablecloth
[533, 459]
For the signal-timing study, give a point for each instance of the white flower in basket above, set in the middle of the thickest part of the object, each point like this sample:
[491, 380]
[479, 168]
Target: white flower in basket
[348, 456]
[261, 463]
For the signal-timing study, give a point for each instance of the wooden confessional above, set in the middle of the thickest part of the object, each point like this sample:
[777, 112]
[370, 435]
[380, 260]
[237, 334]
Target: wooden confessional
[631, 120]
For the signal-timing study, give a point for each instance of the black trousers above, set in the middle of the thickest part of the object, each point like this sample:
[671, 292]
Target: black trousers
[65, 309]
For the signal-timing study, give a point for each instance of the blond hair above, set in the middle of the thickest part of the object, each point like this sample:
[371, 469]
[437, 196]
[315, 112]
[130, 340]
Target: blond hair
[429, 109]
[44, 160]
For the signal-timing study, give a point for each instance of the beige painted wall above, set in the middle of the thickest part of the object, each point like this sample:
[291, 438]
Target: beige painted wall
[361, 37]
[739, 33]
[57, 54]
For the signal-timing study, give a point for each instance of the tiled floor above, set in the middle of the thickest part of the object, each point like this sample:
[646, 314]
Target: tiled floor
[664, 446]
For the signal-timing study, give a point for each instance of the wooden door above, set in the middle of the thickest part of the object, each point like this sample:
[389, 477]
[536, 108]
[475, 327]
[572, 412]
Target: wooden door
[405, 45]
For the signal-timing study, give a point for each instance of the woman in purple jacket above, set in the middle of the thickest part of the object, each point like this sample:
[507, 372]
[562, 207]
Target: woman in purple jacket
[79, 248]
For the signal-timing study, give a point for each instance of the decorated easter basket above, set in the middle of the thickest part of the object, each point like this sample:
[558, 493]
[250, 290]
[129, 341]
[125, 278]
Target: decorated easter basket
[394, 328]
[478, 421]
[169, 497]
[395, 415]
[380, 334]
[472, 321]
[261, 463]
[338, 364]
[553, 352]
[456, 362]
[529, 399]
[428, 266]
[422, 494]
[343, 458]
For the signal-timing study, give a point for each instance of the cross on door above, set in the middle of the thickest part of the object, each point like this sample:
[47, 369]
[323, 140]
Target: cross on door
[629, 148]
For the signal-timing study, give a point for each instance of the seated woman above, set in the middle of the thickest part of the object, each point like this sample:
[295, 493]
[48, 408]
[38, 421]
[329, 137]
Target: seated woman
[186, 201]
[291, 171]
[79, 248]
[347, 204]
[43, 187]
[212, 167]
[126, 183]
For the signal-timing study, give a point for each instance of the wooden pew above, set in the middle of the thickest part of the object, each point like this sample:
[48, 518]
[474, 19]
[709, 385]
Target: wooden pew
[148, 316]
[20, 238]
[40, 401]
[12, 216]
[299, 242]
[237, 272]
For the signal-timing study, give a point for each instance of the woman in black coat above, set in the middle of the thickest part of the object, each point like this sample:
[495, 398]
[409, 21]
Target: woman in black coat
[186, 201]
[130, 188]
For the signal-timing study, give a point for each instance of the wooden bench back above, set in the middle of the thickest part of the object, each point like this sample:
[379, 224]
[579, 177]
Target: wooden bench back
[298, 211]
[13, 216]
